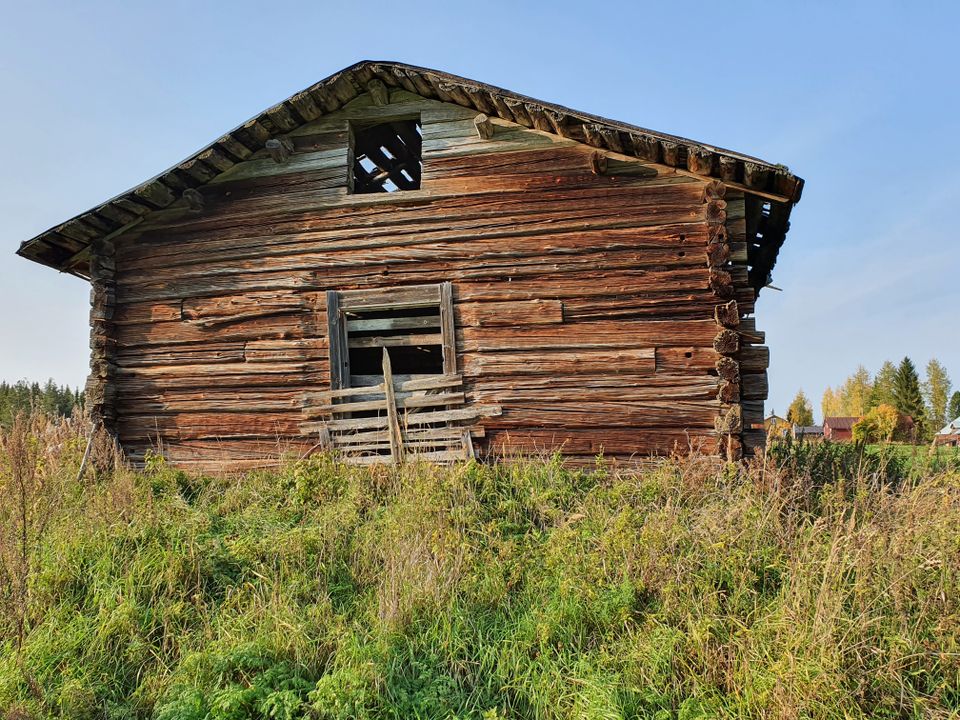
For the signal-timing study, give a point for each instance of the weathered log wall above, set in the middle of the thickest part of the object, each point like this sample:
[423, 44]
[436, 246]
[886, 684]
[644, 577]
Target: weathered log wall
[603, 303]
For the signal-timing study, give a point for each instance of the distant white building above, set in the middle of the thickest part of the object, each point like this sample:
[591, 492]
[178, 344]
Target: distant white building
[949, 434]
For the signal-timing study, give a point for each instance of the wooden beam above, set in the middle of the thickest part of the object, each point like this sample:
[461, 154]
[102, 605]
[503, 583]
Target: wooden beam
[598, 163]
[699, 161]
[378, 92]
[393, 421]
[194, 199]
[484, 126]
[448, 329]
[279, 149]
[755, 176]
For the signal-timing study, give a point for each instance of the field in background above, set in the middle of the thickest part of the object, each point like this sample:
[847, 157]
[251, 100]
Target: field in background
[823, 582]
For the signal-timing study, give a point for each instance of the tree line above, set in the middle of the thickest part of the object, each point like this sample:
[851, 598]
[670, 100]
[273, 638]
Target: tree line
[24, 396]
[886, 399]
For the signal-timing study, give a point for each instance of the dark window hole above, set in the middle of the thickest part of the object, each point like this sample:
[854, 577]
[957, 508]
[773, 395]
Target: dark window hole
[387, 157]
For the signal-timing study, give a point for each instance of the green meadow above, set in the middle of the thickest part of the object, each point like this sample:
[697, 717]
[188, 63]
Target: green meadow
[813, 583]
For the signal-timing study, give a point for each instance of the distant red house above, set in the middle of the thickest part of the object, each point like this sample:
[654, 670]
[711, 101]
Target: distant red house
[839, 428]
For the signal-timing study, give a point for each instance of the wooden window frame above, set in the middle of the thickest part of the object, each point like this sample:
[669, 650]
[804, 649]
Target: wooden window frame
[358, 127]
[340, 302]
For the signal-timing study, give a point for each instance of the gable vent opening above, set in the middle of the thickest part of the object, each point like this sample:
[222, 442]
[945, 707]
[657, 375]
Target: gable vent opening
[387, 157]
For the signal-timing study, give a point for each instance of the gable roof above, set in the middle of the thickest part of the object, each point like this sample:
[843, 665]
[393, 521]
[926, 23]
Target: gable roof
[951, 428]
[840, 423]
[66, 246]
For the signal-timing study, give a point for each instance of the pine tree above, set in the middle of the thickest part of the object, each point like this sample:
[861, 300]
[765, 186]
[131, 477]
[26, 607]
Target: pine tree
[907, 397]
[800, 411]
[953, 409]
[936, 391]
[882, 391]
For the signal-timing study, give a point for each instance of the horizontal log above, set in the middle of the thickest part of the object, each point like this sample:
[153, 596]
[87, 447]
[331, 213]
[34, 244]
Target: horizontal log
[213, 311]
[397, 242]
[285, 350]
[586, 362]
[484, 214]
[597, 441]
[670, 268]
[166, 405]
[681, 414]
[207, 426]
[754, 359]
[495, 314]
[755, 386]
[611, 388]
[213, 353]
[169, 334]
[413, 296]
[672, 359]
[586, 335]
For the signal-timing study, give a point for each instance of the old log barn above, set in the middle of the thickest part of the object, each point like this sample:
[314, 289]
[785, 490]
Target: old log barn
[398, 261]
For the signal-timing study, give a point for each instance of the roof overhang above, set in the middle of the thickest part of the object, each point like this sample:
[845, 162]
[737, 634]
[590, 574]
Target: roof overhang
[66, 246]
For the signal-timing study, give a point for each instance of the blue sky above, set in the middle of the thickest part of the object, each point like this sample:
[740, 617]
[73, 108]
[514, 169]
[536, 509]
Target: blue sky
[861, 99]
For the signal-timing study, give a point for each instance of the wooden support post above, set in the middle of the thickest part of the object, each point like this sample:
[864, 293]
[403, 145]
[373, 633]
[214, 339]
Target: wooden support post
[378, 92]
[646, 147]
[671, 153]
[728, 169]
[699, 161]
[448, 329]
[484, 126]
[598, 163]
[393, 419]
[193, 199]
[279, 149]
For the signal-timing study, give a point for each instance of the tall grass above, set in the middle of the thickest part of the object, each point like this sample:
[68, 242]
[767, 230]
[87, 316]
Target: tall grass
[512, 590]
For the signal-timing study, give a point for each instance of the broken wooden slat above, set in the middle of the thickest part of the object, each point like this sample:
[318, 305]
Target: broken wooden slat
[412, 322]
[471, 412]
[349, 424]
[386, 341]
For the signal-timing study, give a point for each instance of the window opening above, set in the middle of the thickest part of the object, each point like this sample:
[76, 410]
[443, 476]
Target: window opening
[413, 336]
[387, 157]
[394, 388]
